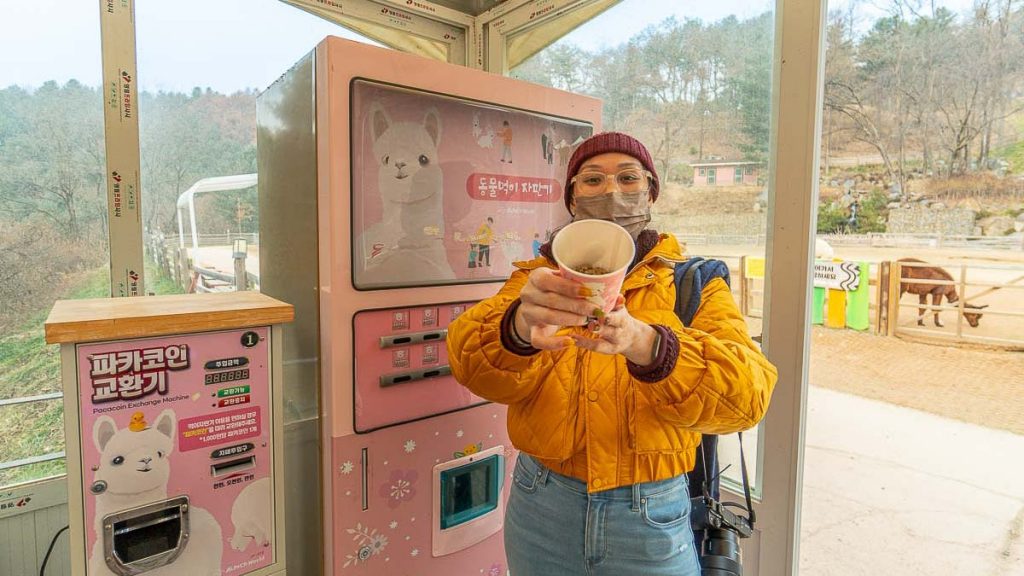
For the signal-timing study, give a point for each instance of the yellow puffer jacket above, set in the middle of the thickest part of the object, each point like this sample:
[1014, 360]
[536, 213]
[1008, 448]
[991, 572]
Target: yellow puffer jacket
[584, 415]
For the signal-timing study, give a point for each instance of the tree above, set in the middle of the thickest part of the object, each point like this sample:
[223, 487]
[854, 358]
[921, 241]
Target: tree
[671, 79]
[53, 155]
[567, 66]
[185, 139]
[751, 85]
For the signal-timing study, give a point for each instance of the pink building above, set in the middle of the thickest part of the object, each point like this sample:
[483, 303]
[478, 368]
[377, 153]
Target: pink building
[726, 173]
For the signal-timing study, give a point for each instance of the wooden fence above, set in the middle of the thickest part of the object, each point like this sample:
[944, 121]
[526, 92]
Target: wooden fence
[177, 263]
[892, 308]
[886, 308]
[872, 239]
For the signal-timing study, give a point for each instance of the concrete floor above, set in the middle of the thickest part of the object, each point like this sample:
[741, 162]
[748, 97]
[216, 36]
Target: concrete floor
[890, 490]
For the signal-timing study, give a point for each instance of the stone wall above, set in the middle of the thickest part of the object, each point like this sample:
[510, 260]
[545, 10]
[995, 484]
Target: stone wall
[918, 220]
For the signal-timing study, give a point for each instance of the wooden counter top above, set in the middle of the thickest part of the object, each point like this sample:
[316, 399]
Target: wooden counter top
[102, 319]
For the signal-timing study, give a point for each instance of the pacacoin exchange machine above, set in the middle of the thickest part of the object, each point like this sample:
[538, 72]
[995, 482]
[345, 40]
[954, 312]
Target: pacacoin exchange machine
[172, 410]
[395, 193]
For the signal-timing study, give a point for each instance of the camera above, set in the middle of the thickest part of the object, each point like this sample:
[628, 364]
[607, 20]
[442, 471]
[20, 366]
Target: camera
[719, 552]
[716, 529]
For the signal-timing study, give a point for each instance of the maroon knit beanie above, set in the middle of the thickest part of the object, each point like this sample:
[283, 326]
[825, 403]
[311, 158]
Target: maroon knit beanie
[610, 142]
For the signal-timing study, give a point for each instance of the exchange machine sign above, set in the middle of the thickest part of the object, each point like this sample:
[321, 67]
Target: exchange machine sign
[173, 433]
[395, 193]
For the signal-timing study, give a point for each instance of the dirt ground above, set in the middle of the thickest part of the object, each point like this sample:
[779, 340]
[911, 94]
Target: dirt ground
[973, 383]
[984, 387]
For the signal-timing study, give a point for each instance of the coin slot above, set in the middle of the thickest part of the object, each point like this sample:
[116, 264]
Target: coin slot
[232, 466]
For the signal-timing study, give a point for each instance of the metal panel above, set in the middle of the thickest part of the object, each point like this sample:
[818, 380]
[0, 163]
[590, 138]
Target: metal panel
[24, 539]
[48, 522]
[18, 545]
[456, 31]
[286, 148]
[402, 27]
[541, 23]
[303, 505]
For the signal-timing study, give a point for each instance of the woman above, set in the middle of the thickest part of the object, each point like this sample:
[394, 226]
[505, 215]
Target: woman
[607, 420]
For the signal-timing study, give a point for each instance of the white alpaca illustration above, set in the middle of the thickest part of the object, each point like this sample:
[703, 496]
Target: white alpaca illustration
[133, 471]
[484, 137]
[564, 150]
[486, 140]
[251, 516]
[408, 243]
[513, 249]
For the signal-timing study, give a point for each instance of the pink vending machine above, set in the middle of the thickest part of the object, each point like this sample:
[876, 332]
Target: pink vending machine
[395, 193]
[172, 411]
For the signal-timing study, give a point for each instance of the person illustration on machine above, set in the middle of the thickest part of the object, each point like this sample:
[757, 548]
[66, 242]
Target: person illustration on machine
[484, 237]
[506, 142]
[547, 144]
[536, 244]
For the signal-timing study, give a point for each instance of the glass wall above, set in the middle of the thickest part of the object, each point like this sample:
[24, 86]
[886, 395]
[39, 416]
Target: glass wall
[53, 237]
[915, 421]
[692, 80]
[198, 133]
[199, 73]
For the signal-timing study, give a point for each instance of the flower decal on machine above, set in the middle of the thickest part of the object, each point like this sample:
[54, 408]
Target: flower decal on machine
[469, 449]
[400, 487]
[369, 543]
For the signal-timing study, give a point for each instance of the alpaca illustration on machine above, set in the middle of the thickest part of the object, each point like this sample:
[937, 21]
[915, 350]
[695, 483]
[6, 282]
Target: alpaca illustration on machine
[133, 471]
[484, 137]
[251, 516]
[408, 242]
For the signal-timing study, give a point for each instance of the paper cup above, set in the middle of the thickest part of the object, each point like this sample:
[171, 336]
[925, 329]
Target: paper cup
[585, 245]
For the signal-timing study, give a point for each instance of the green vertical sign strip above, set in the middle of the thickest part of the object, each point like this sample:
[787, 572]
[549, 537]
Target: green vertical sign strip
[857, 302]
[818, 307]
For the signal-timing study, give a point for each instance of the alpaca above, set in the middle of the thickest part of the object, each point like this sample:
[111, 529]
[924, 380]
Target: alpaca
[133, 471]
[937, 291]
[408, 241]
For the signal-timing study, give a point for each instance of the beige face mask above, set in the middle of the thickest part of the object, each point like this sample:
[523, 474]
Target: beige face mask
[631, 210]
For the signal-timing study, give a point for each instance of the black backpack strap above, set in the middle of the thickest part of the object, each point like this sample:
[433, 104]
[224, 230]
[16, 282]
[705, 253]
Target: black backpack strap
[704, 480]
[746, 484]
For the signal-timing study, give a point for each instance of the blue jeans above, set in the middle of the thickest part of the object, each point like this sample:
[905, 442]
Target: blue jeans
[554, 528]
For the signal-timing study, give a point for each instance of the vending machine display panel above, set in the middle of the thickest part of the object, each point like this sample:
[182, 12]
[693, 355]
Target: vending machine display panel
[449, 190]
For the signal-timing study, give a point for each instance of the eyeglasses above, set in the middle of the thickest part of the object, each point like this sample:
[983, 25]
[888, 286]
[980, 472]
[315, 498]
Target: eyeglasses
[628, 180]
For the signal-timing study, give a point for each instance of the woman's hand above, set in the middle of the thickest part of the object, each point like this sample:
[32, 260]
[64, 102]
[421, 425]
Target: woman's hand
[548, 302]
[620, 333]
